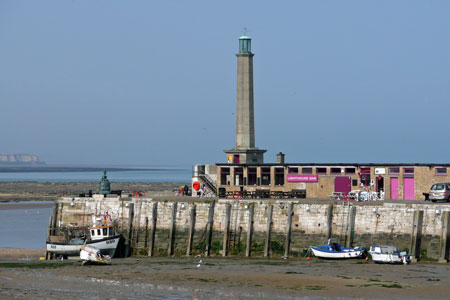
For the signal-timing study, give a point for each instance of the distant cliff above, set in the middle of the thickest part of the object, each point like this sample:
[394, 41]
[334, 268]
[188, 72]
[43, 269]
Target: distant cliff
[20, 159]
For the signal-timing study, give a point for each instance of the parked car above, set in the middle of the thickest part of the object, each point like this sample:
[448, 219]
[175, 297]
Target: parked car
[440, 191]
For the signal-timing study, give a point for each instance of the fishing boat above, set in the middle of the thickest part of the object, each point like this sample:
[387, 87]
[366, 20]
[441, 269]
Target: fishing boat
[335, 251]
[388, 255]
[102, 237]
[92, 255]
[60, 246]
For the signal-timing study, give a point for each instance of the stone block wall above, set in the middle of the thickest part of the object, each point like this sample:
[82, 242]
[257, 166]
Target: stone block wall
[374, 223]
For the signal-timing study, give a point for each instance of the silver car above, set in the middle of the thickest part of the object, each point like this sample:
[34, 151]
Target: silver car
[440, 191]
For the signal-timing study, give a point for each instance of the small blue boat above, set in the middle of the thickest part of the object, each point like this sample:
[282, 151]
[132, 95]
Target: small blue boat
[335, 251]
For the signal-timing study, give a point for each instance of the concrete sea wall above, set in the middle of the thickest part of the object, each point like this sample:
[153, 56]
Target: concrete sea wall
[192, 226]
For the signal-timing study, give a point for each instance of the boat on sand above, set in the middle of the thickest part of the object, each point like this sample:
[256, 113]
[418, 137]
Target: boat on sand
[335, 251]
[388, 255]
[102, 237]
[92, 255]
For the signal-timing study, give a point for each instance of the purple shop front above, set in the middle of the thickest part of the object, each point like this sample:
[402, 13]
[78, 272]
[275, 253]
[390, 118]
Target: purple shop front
[301, 178]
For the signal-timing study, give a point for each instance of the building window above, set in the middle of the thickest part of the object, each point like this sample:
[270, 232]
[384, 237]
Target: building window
[307, 170]
[225, 176]
[251, 173]
[238, 176]
[441, 171]
[350, 170]
[321, 170]
[265, 176]
[292, 170]
[365, 179]
[335, 170]
[354, 182]
[394, 171]
[279, 176]
[408, 170]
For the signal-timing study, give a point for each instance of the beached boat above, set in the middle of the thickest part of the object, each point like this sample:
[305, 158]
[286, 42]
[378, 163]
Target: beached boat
[100, 237]
[335, 251]
[60, 246]
[104, 239]
[92, 255]
[388, 255]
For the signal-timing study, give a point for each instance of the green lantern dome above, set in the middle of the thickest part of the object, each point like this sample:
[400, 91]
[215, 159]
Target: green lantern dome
[245, 44]
[105, 186]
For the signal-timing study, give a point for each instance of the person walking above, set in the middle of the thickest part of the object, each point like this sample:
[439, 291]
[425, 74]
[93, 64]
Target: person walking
[186, 190]
[203, 189]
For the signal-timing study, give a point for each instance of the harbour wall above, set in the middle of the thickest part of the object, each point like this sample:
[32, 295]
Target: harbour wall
[193, 226]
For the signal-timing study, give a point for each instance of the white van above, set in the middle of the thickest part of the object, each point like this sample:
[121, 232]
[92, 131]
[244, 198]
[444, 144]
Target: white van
[440, 191]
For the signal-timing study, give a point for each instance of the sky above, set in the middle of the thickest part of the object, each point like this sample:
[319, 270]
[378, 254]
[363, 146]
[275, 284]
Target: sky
[154, 82]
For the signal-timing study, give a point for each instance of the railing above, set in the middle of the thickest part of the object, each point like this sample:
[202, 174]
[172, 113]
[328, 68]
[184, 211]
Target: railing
[210, 183]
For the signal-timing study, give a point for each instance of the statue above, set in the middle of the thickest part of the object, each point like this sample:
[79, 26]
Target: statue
[105, 186]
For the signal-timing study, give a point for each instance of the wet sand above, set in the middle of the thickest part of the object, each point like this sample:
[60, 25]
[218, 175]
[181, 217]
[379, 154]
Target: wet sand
[218, 278]
[19, 253]
[49, 191]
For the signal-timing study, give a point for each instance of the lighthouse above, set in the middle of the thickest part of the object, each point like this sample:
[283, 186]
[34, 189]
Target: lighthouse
[245, 151]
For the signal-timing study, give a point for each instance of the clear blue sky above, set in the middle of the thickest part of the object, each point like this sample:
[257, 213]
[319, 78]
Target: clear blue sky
[154, 82]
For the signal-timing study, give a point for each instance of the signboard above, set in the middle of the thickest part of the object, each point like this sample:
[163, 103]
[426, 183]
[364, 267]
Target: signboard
[380, 171]
[301, 178]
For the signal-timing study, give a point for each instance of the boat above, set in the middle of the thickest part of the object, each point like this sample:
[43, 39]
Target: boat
[335, 251]
[102, 237]
[92, 255]
[388, 255]
[60, 246]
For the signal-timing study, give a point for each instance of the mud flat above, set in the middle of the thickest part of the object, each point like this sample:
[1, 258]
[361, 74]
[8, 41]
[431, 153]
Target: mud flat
[45, 191]
[217, 278]
[20, 254]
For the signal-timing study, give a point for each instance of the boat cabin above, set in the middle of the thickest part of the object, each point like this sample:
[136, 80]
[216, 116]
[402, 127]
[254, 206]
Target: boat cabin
[101, 232]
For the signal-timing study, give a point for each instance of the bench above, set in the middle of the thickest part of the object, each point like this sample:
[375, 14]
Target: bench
[262, 193]
[296, 193]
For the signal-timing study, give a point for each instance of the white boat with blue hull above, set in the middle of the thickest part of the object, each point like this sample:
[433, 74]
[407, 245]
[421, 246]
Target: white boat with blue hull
[335, 251]
[384, 254]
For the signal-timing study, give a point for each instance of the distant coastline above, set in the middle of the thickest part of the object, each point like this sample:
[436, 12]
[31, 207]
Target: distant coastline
[47, 169]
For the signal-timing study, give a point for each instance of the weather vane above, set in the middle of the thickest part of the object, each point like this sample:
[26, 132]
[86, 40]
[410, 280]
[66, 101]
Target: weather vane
[245, 31]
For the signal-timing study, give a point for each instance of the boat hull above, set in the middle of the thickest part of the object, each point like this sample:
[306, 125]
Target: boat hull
[386, 258]
[89, 254]
[64, 249]
[107, 246]
[345, 254]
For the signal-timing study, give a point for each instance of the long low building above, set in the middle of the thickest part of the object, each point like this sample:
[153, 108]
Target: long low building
[323, 180]
[246, 175]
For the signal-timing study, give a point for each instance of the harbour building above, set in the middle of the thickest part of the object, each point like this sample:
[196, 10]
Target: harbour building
[246, 175]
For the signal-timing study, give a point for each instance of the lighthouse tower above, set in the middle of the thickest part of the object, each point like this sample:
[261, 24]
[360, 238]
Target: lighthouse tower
[245, 151]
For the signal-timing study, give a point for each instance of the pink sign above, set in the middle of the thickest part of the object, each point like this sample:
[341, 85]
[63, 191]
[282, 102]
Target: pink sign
[302, 178]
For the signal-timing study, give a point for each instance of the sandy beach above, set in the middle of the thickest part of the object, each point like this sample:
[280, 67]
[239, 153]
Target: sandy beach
[218, 278]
